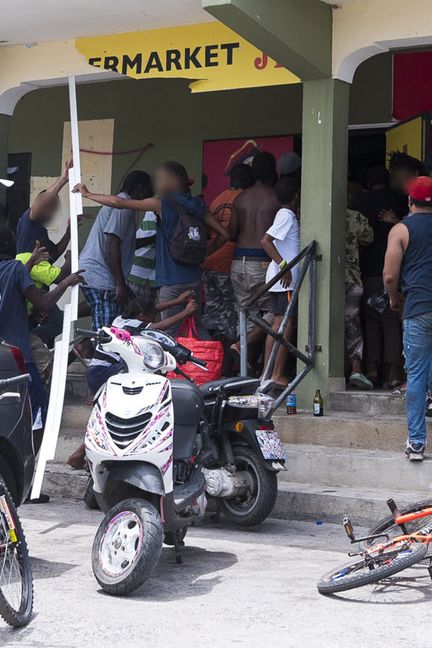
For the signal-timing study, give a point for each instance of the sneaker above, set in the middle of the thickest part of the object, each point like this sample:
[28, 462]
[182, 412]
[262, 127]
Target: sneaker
[415, 450]
[360, 381]
[429, 407]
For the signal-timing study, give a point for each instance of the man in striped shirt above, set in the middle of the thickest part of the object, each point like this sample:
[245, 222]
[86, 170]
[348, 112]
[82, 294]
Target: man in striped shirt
[141, 279]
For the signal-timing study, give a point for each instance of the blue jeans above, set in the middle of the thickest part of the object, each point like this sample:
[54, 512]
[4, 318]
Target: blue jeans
[417, 341]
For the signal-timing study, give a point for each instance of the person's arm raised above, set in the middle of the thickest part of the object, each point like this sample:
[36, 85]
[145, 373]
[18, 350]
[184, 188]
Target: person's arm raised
[63, 180]
[147, 204]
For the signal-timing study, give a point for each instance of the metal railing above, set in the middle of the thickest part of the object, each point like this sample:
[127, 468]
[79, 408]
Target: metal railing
[308, 259]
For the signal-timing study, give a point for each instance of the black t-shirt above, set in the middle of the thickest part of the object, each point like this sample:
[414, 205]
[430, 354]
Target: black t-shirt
[371, 204]
[28, 232]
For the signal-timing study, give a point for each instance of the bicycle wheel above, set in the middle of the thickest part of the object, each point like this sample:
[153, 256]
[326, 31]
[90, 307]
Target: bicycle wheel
[387, 524]
[372, 567]
[16, 581]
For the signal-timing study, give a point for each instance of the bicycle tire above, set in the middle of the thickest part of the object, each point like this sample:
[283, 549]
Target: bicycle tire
[13, 544]
[387, 524]
[337, 581]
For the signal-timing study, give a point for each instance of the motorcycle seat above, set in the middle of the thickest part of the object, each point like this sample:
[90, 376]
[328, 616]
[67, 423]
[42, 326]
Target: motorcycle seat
[231, 386]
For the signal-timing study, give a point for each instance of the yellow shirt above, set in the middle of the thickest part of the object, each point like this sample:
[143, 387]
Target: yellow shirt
[43, 273]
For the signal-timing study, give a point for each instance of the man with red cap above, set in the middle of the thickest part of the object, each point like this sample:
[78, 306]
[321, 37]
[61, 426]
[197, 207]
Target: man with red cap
[408, 280]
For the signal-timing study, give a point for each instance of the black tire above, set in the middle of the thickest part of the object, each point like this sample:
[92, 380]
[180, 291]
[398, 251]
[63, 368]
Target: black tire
[133, 516]
[254, 508]
[387, 524]
[89, 496]
[8, 477]
[356, 574]
[16, 603]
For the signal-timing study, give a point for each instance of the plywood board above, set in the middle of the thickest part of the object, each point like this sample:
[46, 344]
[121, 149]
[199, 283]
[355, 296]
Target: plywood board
[96, 170]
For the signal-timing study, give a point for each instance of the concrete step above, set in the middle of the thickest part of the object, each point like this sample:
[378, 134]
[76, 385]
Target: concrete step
[295, 500]
[322, 503]
[61, 481]
[76, 414]
[370, 403]
[343, 429]
[353, 468]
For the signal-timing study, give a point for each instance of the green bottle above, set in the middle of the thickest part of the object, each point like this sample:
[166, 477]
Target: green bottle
[318, 404]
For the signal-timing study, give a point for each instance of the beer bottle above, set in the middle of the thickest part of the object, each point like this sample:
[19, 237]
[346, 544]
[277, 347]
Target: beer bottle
[318, 404]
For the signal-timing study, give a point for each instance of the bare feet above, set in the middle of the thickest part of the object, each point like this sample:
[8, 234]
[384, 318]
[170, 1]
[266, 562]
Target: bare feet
[77, 458]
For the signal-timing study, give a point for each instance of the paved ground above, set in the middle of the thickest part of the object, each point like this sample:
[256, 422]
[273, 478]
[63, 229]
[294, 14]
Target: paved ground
[252, 588]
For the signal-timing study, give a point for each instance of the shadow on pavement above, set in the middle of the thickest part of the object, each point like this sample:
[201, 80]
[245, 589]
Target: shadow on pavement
[49, 569]
[195, 577]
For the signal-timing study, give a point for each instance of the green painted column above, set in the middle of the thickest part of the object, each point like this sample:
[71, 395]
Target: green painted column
[4, 147]
[323, 217]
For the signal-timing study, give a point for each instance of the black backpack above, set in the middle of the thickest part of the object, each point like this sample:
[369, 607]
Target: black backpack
[188, 245]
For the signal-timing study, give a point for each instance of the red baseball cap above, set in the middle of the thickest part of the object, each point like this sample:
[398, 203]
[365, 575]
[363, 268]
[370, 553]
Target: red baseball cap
[421, 189]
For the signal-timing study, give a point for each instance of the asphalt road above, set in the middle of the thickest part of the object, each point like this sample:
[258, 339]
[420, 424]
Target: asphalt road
[252, 588]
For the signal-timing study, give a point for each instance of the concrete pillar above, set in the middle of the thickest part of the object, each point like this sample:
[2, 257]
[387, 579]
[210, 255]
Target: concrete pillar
[4, 145]
[323, 217]
[295, 33]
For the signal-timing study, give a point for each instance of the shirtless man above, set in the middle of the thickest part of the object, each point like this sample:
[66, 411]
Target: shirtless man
[253, 214]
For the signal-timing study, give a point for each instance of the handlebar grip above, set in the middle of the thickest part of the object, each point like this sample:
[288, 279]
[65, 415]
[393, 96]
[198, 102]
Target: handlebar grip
[85, 332]
[16, 380]
[197, 361]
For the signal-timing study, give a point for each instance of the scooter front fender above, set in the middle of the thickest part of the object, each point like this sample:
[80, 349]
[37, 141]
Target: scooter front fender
[140, 475]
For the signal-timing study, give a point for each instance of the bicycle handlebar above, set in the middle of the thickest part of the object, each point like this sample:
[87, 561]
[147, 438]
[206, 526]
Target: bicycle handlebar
[16, 380]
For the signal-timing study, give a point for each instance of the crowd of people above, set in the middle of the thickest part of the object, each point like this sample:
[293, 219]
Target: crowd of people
[156, 253]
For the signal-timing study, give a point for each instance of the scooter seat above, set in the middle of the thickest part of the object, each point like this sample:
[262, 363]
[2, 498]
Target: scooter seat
[231, 386]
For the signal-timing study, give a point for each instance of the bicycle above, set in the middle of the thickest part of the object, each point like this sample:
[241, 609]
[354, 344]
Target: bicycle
[16, 580]
[392, 545]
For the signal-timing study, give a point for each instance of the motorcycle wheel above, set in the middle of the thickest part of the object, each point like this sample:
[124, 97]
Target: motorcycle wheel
[127, 546]
[256, 506]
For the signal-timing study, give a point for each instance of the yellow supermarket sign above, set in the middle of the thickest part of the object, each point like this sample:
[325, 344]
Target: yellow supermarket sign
[210, 54]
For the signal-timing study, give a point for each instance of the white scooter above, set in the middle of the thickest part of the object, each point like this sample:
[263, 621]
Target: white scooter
[131, 451]
[152, 460]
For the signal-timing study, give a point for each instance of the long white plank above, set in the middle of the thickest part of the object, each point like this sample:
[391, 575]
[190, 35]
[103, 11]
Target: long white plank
[70, 313]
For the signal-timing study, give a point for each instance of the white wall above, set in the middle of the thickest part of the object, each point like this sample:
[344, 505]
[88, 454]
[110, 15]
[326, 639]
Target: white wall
[363, 28]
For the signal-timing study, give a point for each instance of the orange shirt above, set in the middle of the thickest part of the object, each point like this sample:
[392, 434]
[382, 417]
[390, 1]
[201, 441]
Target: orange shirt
[221, 208]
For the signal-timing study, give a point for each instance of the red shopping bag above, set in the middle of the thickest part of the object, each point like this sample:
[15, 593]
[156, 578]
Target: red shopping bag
[210, 351]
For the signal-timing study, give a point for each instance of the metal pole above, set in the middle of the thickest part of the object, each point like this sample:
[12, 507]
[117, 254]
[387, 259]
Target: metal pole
[243, 343]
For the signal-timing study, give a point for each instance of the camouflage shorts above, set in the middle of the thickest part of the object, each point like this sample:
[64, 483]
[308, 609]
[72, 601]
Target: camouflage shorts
[220, 315]
[353, 330]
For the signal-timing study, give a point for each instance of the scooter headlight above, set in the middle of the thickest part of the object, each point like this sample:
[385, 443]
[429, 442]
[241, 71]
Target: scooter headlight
[153, 355]
[263, 403]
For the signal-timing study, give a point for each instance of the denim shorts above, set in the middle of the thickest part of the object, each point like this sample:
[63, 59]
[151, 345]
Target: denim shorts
[280, 302]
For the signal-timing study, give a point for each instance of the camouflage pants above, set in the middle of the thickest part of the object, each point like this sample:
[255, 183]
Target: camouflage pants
[44, 359]
[220, 315]
[353, 330]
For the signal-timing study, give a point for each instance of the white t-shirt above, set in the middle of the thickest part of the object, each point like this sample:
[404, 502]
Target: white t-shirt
[286, 233]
